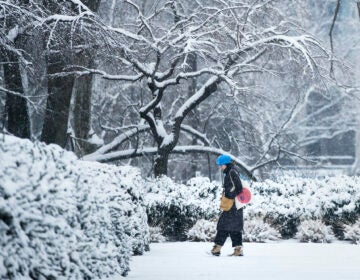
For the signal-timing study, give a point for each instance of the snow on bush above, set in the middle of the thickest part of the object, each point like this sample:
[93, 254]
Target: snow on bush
[256, 230]
[282, 204]
[61, 218]
[334, 200]
[203, 230]
[123, 191]
[352, 232]
[315, 231]
[175, 208]
[156, 236]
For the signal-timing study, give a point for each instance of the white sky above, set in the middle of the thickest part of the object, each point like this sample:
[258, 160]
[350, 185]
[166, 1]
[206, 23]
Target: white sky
[283, 260]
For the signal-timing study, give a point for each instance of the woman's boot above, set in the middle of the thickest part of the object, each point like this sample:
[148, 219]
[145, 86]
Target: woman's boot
[238, 251]
[216, 250]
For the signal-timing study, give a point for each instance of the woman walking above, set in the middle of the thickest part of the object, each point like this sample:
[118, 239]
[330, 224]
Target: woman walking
[231, 221]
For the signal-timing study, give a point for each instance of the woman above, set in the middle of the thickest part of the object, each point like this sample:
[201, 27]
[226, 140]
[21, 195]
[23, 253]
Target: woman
[230, 222]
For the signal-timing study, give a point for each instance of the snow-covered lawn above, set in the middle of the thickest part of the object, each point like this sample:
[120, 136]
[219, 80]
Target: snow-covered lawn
[266, 261]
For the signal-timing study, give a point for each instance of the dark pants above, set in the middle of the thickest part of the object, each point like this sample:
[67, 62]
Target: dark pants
[235, 236]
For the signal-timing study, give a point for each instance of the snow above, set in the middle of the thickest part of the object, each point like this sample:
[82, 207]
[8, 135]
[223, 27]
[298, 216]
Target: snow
[62, 218]
[91, 212]
[94, 139]
[68, 18]
[194, 98]
[13, 33]
[262, 261]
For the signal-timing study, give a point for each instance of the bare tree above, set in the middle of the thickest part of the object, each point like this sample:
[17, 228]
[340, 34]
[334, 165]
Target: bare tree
[228, 40]
[67, 45]
[16, 113]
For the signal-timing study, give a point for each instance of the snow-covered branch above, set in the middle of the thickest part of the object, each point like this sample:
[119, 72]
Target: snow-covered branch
[205, 91]
[130, 133]
[66, 18]
[131, 153]
[87, 71]
[117, 141]
[19, 94]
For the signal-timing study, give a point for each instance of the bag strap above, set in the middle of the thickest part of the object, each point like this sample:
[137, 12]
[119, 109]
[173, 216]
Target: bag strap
[232, 181]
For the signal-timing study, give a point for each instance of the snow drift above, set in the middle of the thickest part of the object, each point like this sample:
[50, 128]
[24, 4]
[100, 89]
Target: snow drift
[62, 218]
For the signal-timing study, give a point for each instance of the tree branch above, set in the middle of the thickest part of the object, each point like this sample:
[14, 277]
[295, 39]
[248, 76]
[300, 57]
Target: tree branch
[87, 71]
[131, 153]
[338, 3]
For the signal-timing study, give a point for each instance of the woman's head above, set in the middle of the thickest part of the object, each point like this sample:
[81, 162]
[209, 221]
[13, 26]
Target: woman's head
[222, 161]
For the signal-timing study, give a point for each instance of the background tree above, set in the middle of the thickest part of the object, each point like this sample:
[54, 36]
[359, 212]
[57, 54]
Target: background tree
[159, 58]
[189, 78]
[13, 21]
[41, 39]
[71, 46]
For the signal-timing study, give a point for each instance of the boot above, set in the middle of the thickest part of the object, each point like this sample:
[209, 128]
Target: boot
[238, 251]
[216, 250]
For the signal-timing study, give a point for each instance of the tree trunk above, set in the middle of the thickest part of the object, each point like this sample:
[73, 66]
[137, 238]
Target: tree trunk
[58, 103]
[60, 90]
[161, 163]
[36, 81]
[193, 116]
[93, 5]
[17, 117]
[82, 113]
[82, 97]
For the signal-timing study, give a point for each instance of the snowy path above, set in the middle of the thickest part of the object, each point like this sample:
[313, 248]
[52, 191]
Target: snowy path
[284, 260]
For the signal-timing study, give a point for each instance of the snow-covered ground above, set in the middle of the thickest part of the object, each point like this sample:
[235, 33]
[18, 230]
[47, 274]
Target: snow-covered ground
[262, 261]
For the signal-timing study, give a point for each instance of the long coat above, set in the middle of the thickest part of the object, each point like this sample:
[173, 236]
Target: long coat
[231, 220]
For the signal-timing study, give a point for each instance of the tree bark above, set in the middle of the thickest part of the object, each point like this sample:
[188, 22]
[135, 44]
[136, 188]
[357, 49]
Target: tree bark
[194, 117]
[82, 97]
[93, 5]
[161, 163]
[17, 117]
[60, 90]
[36, 81]
[336, 12]
[58, 103]
[82, 113]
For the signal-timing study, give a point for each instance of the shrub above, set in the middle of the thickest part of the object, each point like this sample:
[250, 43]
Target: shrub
[62, 218]
[156, 236]
[315, 231]
[175, 208]
[352, 232]
[256, 230]
[203, 230]
[286, 202]
[283, 204]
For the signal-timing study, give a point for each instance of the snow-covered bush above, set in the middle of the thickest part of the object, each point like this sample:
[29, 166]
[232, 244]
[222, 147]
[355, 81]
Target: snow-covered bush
[283, 204]
[61, 218]
[352, 232]
[256, 230]
[315, 231]
[156, 236]
[123, 191]
[203, 230]
[334, 200]
[175, 208]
